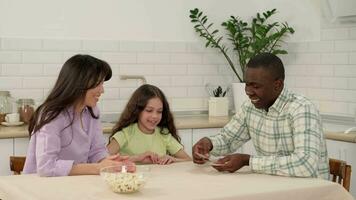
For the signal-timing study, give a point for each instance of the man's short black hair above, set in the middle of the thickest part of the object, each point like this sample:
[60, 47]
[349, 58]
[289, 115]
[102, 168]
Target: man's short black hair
[269, 62]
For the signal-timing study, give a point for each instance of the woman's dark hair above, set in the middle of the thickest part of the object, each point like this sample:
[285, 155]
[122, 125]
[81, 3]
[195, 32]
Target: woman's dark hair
[78, 74]
[137, 104]
[269, 62]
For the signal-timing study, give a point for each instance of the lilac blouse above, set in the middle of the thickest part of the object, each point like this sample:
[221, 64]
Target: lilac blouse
[54, 149]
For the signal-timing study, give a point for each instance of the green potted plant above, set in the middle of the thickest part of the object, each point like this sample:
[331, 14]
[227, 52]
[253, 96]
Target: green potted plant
[247, 40]
[218, 102]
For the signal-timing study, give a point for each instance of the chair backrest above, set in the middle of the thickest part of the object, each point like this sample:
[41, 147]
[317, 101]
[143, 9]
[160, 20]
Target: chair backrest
[17, 163]
[340, 172]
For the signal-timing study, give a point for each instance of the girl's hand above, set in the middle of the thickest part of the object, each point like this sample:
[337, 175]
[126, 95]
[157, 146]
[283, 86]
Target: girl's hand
[166, 160]
[146, 158]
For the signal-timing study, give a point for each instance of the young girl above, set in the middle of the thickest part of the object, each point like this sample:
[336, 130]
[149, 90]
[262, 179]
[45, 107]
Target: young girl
[146, 130]
[65, 132]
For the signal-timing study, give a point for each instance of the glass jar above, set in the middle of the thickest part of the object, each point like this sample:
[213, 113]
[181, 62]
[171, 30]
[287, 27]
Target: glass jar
[26, 109]
[6, 102]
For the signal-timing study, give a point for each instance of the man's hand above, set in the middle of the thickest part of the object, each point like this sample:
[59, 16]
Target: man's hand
[232, 162]
[201, 150]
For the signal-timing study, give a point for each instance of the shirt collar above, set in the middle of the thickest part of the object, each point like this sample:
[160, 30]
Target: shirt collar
[281, 101]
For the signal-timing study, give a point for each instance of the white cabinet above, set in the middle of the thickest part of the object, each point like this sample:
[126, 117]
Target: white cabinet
[6, 150]
[21, 146]
[344, 151]
[200, 133]
[11, 147]
[186, 140]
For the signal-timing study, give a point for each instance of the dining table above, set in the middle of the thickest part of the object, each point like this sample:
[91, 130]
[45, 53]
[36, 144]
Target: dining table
[177, 181]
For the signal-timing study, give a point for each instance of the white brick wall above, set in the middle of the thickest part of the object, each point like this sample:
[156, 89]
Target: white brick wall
[325, 70]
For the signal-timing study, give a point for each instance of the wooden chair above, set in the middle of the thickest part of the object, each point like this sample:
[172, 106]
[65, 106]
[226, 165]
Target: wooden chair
[340, 172]
[17, 163]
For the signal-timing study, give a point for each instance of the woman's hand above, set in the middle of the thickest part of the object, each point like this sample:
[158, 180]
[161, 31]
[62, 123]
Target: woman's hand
[117, 160]
[166, 160]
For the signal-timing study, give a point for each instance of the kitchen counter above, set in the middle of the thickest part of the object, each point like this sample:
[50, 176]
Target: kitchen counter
[182, 122]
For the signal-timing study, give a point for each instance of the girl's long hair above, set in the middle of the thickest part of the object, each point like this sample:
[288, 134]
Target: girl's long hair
[78, 74]
[137, 104]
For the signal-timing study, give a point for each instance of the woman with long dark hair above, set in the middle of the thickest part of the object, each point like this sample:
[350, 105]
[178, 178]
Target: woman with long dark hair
[65, 131]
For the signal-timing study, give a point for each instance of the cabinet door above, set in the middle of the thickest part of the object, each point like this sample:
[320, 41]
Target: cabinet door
[6, 150]
[200, 133]
[334, 150]
[21, 146]
[186, 139]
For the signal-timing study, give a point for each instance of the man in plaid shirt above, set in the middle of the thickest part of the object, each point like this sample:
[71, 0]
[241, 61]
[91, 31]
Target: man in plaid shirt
[285, 128]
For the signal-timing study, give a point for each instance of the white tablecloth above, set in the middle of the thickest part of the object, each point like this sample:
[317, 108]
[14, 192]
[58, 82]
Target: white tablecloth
[177, 181]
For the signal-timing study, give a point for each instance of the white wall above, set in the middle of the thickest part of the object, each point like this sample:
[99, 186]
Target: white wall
[32, 54]
[142, 20]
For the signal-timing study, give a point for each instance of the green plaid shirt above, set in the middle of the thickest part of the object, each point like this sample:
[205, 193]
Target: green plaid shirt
[288, 139]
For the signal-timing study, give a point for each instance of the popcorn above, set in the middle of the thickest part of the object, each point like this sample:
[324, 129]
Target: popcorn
[123, 182]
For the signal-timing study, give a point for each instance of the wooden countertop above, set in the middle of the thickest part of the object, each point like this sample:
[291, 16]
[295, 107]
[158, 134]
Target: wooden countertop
[182, 122]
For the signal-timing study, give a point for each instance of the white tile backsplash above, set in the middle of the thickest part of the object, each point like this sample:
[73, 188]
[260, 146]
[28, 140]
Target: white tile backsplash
[334, 83]
[42, 57]
[159, 81]
[186, 58]
[49, 44]
[36, 94]
[153, 58]
[8, 83]
[170, 47]
[307, 58]
[187, 80]
[134, 46]
[174, 92]
[322, 46]
[352, 58]
[111, 93]
[19, 44]
[335, 34]
[334, 58]
[345, 45]
[120, 58]
[351, 82]
[352, 33]
[324, 71]
[164, 69]
[22, 69]
[320, 94]
[10, 57]
[38, 82]
[100, 45]
[202, 69]
[345, 70]
[345, 95]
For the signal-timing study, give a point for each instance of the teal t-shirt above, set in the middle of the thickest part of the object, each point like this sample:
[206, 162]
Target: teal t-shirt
[133, 141]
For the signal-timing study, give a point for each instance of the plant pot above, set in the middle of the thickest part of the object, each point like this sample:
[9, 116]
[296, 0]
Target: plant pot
[239, 94]
[218, 106]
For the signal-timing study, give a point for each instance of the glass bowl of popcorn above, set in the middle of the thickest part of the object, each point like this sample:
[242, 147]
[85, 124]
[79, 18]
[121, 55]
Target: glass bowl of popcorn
[125, 178]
